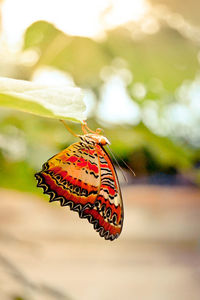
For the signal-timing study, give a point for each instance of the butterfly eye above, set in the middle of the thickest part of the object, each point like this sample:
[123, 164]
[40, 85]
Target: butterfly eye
[108, 212]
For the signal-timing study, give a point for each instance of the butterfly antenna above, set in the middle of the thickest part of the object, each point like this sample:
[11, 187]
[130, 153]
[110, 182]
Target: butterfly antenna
[128, 167]
[68, 128]
[122, 161]
[113, 156]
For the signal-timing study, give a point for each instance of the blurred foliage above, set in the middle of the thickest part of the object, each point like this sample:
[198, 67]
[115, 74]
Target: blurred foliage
[18, 298]
[155, 56]
[162, 62]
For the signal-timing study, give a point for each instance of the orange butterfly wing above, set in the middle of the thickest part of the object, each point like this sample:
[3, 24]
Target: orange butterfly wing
[84, 179]
[108, 209]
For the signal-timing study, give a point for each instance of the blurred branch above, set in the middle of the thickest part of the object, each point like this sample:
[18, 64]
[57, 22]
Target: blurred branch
[29, 287]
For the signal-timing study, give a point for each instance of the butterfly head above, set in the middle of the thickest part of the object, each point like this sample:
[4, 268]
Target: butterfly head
[92, 138]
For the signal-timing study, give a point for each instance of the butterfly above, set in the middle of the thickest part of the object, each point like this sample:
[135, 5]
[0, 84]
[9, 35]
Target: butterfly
[83, 177]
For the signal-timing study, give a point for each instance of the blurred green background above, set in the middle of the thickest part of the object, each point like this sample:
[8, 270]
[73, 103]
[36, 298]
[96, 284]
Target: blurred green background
[138, 63]
[142, 86]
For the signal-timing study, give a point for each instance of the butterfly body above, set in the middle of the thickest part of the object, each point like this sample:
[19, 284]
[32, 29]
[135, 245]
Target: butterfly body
[83, 177]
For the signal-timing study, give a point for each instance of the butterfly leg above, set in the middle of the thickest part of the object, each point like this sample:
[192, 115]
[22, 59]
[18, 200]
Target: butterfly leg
[69, 129]
[85, 128]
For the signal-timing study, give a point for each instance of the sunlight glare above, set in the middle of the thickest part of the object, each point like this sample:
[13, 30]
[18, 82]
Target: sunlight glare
[84, 18]
[116, 106]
